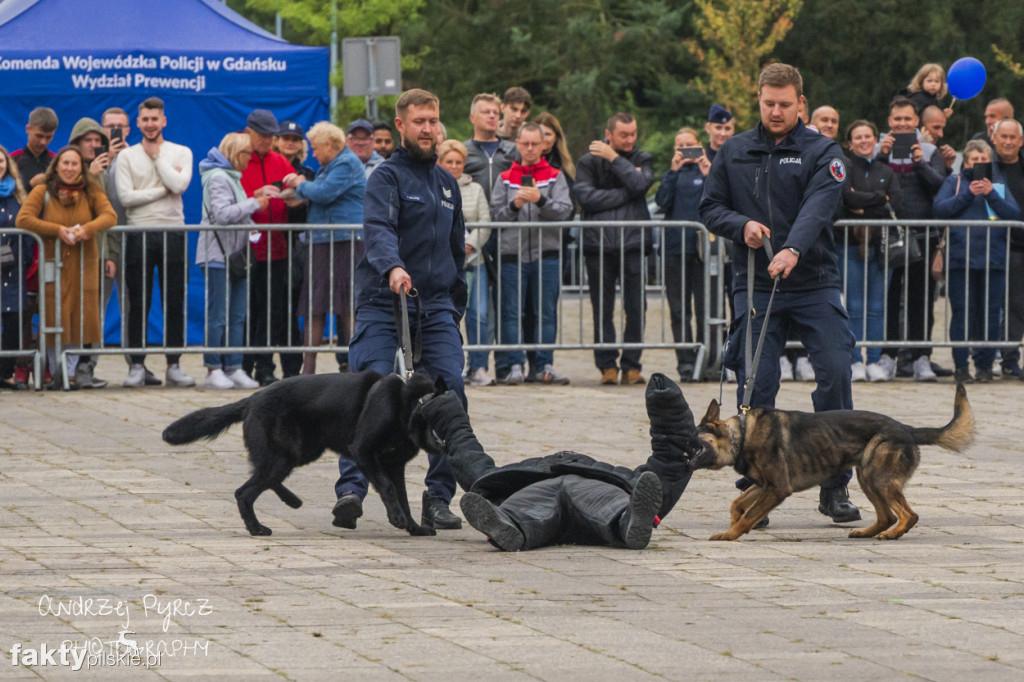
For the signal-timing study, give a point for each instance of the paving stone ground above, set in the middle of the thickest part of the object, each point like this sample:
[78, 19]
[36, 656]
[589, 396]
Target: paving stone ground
[93, 505]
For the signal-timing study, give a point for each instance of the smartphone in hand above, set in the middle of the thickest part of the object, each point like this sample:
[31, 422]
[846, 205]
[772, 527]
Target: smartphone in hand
[526, 181]
[691, 152]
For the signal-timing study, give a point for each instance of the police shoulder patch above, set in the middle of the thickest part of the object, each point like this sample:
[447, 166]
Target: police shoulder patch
[837, 170]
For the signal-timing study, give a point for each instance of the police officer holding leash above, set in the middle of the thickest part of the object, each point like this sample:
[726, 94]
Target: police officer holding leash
[773, 189]
[415, 242]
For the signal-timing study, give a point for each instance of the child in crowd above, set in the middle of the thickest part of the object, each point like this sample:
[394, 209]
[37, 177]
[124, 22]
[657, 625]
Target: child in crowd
[927, 87]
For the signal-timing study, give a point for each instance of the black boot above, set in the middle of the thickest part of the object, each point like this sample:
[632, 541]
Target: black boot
[673, 430]
[835, 502]
[346, 510]
[637, 523]
[436, 513]
[501, 531]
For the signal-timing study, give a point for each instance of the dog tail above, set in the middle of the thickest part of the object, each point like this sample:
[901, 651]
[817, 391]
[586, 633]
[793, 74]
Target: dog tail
[957, 434]
[208, 423]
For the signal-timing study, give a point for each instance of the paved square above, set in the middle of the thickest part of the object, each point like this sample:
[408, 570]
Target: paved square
[96, 507]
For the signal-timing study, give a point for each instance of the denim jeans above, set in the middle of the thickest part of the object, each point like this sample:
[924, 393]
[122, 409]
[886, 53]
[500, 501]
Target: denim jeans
[968, 309]
[217, 317]
[858, 274]
[522, 283]
[476, 315]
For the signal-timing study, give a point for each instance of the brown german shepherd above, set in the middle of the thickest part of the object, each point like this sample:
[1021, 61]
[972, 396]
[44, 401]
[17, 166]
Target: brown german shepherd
[785, 452]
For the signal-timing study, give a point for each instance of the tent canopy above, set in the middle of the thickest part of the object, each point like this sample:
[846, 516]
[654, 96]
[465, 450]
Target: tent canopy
[209, 65]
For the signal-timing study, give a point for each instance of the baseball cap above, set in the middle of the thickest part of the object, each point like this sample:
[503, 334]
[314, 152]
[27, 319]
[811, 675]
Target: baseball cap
[263, 122]
[360, 124]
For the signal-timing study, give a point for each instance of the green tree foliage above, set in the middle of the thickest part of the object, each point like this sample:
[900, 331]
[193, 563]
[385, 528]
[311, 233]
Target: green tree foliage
[857, 55]
[734, 40]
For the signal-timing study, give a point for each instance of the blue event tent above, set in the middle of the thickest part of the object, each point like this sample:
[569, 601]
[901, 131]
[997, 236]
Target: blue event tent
[209, 65]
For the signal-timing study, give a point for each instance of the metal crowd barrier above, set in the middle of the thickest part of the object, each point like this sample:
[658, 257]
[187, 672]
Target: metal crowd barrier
[709, 332]
[925, 232]
[22, 318]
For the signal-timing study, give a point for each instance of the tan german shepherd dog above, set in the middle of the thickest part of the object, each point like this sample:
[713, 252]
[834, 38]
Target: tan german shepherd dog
[785, 452]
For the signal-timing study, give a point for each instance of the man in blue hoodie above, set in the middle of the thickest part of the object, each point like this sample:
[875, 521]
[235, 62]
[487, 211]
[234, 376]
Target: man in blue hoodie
[414, 233]
[780, 181]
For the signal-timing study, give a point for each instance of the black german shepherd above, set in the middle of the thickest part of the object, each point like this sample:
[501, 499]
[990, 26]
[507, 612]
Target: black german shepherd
[369, 418]
[786, 452]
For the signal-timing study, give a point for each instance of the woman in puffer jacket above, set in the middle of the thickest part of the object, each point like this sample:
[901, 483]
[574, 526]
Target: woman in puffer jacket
[225, 203]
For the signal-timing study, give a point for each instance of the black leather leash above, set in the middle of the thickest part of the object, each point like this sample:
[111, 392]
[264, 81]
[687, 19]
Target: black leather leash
[410, 348]
[752, 361]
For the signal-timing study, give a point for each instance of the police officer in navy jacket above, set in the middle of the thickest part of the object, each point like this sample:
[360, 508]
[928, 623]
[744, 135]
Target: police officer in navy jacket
[781, 182]
[414, 233]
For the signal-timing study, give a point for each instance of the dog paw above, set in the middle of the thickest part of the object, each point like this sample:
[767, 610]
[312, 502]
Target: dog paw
[889, 535]
[259, 530]
[422, 531]
[721, 536]
[398, 520]
[861, 533]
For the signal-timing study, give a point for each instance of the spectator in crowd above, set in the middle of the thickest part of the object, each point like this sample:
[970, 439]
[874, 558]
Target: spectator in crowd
[927, 87]
[116, 126]
[530, 191]
[556, 148]
[679, 198]
[442, 133]
[870, 189]
[825, 120]
[415, 238]
[451, 155]
[335, 196]
[739, 204]
[1010, 165]
[977, 257]
[995, 110]
[612, 180]
[225, 203]
[719, 127]
[16, 254]
[290, 143]
[270, 278]
[91, 140]
[360, 140]
[151, 177]
[933, 129]
[515, 109]
[383, 142]
[68, 210]
[920, 172]
[488, 155]
[34, 159]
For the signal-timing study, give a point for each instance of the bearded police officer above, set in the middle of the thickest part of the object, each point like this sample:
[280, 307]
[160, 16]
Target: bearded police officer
[780, 182]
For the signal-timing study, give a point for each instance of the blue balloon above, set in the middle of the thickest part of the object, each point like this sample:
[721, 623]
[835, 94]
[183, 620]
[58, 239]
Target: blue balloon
[966, 78]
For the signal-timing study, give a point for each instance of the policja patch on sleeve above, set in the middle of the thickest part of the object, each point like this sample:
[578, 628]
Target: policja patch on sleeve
[837, 170]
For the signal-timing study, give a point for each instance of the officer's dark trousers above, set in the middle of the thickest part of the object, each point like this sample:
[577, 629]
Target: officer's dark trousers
[821, 323]
[568, 510]
[373, 347]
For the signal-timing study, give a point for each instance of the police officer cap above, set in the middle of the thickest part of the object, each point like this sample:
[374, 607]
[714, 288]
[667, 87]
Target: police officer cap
[290, 128]
[718, 114]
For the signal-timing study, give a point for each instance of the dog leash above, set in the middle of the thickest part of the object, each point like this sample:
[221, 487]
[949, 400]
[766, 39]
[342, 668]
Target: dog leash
[752, 361]
[408, 353]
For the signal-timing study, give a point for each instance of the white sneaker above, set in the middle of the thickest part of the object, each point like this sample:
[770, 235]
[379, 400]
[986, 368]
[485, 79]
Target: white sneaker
[136, 377]
[858, 372]
[515, 376]
[176, 376]
[785, 369]
[216, 380]
[923, 369]
[804, 370]
[239, 379]
[481, 378]
[889, 365]
[876, 372]
[549, 376]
